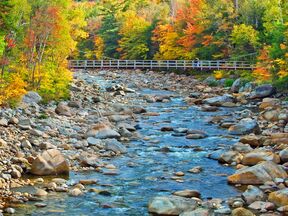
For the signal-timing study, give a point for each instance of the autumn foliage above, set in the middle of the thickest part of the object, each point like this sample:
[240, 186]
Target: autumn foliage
[37, 37]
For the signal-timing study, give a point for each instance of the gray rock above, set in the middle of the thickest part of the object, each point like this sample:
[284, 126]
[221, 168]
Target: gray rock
[245, 126]
[171, 205]
[219, 100]
[253, 194]
[94, 142]
[115, 146]
[102, 131]
[197, 212]
[284, 155]
[31, 97]
[263, 91]
[236, 86]
[248, 87]
[3, 122]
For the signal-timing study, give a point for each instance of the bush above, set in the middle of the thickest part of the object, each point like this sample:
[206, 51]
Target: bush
[228, 82]
[282, 84]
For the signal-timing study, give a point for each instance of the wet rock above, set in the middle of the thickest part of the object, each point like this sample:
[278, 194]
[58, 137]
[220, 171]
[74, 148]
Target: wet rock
[245, 126]
[196, 170]
[63, 109]
[115, 146]
[284, 155]
[10, 210]
[196, 212]
[230, 157]
[223, 211]
[75, 192]
[253, 194]
[50, 162]
[40, 205]
[171, 205]
[31, 97]
[86, 159]
[219, 100]
[251, 139]
[242, 148]
[241, 212]
[261, 206]
[165, 129]
[195, 136]
[207, 108]
[263, 91]
[279, 198]
[187, 193]
[258, 174]
[41, 192]
[102, 131]
[254, 157]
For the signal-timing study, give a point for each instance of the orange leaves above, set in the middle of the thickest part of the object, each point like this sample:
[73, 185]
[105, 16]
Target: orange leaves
[263, 67]
[208, 39]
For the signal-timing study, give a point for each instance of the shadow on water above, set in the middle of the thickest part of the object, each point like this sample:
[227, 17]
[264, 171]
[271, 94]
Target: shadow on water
[152, 169]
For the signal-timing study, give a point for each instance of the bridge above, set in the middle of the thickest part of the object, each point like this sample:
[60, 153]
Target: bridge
[161, 64]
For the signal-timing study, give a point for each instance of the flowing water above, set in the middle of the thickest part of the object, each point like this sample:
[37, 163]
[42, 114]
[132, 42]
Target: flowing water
[155, 161]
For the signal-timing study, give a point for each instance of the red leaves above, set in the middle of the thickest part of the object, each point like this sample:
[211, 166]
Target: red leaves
[10, 41]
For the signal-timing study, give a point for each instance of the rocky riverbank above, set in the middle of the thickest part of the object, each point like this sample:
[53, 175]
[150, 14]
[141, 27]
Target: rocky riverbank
[98, 123]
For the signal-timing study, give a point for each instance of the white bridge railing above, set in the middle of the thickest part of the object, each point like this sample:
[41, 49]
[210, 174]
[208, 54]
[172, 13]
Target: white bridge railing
[161, 64]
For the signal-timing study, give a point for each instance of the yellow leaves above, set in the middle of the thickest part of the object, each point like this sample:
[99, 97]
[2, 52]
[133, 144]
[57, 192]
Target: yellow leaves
[12, 91]
[282, 73]
[262, 74]
[283, 46]
[99, 47]
[219, 74]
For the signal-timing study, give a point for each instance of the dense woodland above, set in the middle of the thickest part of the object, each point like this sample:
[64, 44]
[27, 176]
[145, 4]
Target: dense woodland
[38, 36]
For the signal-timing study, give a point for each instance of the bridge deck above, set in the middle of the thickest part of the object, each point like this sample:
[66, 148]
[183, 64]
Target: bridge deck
[161, 64]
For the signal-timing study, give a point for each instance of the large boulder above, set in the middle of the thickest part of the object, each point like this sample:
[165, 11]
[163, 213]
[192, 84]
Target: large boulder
[102, 131]
[171, 205]
[263, 91]
[245, 126]
[219, 100]
[258, 174]
[254, 157]
[236, 86]
[279, 198]
[50, 162]
[31, 97]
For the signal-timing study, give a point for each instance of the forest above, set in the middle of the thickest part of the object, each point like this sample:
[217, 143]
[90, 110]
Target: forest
[38, 37]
